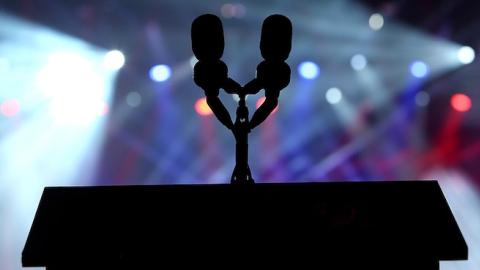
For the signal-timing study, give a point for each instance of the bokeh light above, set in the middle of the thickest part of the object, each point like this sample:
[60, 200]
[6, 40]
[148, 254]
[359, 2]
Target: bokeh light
[114, 60]
[419, 69]
[466, 55]
[160, 73]
[358, 62]
[461, 102]
[308, 70]
[376, 21]
[422, 98]
[202, 108]
[133, 99]
[10, 107]
[230, 10]
[333, 95]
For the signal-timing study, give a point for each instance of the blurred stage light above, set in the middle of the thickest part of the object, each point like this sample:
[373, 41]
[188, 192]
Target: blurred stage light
[375, 21]
[104, 109]
[10, 107]
[202, 108]
[308, 70]
[240, 10]
[51, 75]
[133, 99]
[466, 55]
[114, 60]
[422, 98]
[160, 73]
[69, 80]
[230, 10]
[419, 69]
[358, 62]
[4, 64]
[461, 102]
[261, 100]
[333, 95]
[227, 10]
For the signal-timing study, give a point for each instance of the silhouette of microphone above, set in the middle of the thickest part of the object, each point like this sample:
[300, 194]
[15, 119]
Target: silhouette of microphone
[207, 38]
[210, 73]
[275, 47]
[273, 74]
[276, 39]
[207, 46]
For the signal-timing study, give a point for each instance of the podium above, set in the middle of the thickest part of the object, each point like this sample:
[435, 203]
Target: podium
[339, 225]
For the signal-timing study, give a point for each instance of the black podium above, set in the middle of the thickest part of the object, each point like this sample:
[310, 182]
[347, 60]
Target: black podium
[342, 225]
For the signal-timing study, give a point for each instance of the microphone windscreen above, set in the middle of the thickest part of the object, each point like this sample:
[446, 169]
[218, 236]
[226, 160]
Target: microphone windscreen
[276, 39]
[207, 38]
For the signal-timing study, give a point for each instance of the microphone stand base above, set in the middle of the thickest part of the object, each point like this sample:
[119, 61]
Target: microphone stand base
[241, 177]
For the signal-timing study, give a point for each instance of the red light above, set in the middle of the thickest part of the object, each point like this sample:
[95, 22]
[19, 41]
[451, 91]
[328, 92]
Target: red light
[461, 102]
[261, 100]
[202, 107]
[10, 108]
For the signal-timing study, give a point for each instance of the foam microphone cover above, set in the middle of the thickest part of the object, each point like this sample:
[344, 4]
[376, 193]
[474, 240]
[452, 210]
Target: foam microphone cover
[276, 39]
[207, 38]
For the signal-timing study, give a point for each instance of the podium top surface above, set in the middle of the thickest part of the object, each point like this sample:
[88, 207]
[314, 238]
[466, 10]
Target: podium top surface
[114, 224]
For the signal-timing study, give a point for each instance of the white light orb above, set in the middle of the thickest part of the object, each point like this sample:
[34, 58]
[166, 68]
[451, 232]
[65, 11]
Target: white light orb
[358, 62]
[466, 55]
[160, 73]
[376, 21]
[308, 70]
[333, 95]
[114, 60]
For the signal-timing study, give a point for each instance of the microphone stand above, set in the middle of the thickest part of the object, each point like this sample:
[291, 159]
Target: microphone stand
[241, 173]
[211, 74]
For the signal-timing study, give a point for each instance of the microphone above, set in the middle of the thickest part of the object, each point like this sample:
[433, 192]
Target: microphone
[207, 38]
[275, 46]
[276, 39]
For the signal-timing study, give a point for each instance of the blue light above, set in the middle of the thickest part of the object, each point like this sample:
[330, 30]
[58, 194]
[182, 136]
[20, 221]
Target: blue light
[419, 69]
[358, 62]
[308, 70]
[160, 73]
